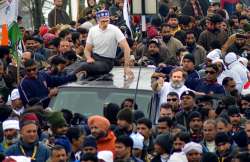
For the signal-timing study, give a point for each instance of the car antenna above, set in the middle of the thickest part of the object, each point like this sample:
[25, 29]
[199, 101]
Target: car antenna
[144, 41]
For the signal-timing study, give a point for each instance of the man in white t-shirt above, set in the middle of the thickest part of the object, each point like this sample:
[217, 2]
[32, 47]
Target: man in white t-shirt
[176, 84]
[101, 46]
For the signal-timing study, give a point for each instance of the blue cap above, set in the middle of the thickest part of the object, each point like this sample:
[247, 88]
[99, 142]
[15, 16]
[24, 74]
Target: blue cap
[102, 13]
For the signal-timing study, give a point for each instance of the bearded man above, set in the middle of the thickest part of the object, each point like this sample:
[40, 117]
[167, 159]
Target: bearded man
[176, 84]
[11, 133]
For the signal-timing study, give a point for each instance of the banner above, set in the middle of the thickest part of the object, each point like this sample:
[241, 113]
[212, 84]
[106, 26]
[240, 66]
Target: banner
[126, 15]
[9, 11]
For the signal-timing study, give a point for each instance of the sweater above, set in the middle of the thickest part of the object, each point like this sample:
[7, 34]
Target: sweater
[107, 143]
[38, 88]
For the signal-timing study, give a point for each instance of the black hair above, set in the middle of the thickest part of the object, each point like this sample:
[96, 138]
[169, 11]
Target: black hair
[56, 148]
[173, 94]
[129, 100]
[214, 66]
[166, 120]
[145, 121]
[89, 157]
[166, 106]
[190, 32]
[73, 133]
[183, 136]
[55, 42]
[111, 107]
[64, 33]
[81, 20]
[125, 140]
[165, 25]
[72, 23]
[29, 63]
[68, 115]
[215, 44]
[70, 55]
[4, 50]
[82, 30]
[57, 60]
[226, 80]
[75, 37]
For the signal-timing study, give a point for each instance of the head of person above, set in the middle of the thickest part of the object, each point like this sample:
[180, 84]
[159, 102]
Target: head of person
[103, 18]
[209, 130]
[87, 157]
[185, 22]
[245, 102]
[144, 127]
[125, 119]
[173, 99]
[58, 63]
[190, 39]
[138, 145]
[58, 3]
[64, 46]
[223, 143]
[230, 58]
[31, 69]
[58, 154]
[33, 43]
[75, 136]
[188, 63]
[229, 84]
[26, 56]
[193, 151]
[16, 101]
[240, 40]
[224, 26]
[206, 103]
[166, 110]
[53, 45]
[58, 123]
[10, 131]
[164, 125]
[177, 78]
[173, 20]
[89, 145]
[234, 115]
[111, 107]
[247, 128]
[211, 72]
[66, 35]
[220, 64]
[153, 47]
[99, 126]
[123, 147]
[222, 125]
[179, 141]
[166, 32]
[105, 156]
[214, 22]
[162, 144]
[195, 121]
[188, 100]
[129, 103]
[28, 131]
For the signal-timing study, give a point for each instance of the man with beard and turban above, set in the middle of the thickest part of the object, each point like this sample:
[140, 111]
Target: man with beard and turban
[10, 132]
[176, 84]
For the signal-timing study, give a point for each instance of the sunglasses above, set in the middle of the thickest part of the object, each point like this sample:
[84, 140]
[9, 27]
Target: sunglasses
[31, 69]
[210, 72]
[172, 99]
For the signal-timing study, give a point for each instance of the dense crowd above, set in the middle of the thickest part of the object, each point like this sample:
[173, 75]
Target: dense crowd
[200, 51]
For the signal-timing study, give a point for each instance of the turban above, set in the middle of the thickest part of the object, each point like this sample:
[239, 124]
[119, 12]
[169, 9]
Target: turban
[192, 146]
[230, 58]
[100, 122]
[11, 124]
[215, 54]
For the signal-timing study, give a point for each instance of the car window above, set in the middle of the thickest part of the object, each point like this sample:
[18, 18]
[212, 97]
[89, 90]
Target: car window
[90, 100]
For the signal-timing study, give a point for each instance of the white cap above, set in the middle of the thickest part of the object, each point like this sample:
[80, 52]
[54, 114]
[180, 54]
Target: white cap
[137, 140]
[243, 60]
[230, 58]
[106, 156]
[11, 124]
[192, 146]
[14, 94]
[178, 157]
[215, 54]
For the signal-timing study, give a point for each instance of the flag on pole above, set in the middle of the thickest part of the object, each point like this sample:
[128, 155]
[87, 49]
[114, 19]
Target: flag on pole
[15, 37]
[126, 15]
[4, 41]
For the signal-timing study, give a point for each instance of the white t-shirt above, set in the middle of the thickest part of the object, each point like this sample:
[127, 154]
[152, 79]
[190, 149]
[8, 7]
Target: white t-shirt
[105, 42]
[166, 88]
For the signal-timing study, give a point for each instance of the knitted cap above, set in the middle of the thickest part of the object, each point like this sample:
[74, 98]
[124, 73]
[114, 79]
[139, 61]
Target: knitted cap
[189, 57]
[125, 114]
[100, 122]
[90, 142]
[57, 120]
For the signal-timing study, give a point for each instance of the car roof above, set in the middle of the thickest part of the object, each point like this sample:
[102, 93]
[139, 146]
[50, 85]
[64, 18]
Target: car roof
[119, 81]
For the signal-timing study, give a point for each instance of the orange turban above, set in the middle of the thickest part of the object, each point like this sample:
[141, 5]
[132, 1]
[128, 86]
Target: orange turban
[100, 122]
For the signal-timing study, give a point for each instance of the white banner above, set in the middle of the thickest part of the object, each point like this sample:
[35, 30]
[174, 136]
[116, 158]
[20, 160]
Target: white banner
[126, 15]
[8, 11]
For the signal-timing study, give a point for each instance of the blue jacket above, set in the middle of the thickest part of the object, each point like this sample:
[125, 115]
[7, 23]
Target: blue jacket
[191, 76]
[207, 88]
[42, 153]
[38, 88]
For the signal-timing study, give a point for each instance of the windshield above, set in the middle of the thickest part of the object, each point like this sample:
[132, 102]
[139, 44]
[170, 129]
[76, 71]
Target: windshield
[91, 100]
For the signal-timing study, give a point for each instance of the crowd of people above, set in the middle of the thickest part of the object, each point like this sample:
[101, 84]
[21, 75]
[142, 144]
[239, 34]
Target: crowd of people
[200, 51]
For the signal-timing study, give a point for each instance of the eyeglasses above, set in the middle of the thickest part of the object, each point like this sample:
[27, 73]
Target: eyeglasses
[31, 69]
[210, 72]
[172, 99]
